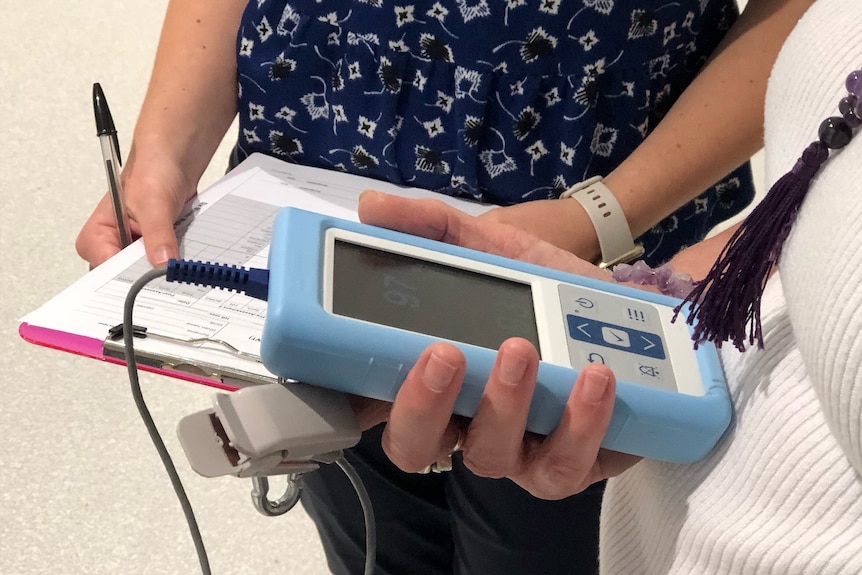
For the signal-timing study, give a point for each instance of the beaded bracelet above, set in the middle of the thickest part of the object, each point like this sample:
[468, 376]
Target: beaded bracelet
[668, 282]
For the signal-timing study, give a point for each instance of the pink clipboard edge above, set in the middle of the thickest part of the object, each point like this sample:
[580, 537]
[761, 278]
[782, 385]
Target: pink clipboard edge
[92, 348]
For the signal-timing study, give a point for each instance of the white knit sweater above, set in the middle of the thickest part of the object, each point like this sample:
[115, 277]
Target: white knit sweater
[782, 492]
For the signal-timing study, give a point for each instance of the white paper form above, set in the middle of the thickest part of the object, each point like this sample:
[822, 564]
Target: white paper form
[230, 223]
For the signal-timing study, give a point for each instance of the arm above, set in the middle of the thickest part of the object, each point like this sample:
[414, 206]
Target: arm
[716, 125]
[696, 260]
[437, 221]
[189, 105]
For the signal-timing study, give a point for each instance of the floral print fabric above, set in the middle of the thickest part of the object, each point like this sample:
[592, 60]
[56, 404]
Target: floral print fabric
[501, 101]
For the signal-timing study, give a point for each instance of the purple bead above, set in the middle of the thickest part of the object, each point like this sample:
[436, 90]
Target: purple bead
[835, 132]
[847, 108]
[642, 273]
[679, 285]
[672, 283]
[668, 282]
[663, 276]
[639, 273]
[622, 272]
[857, 109]
[854, 83]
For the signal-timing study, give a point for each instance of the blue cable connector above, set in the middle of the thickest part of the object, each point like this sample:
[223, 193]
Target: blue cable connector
[253, 282]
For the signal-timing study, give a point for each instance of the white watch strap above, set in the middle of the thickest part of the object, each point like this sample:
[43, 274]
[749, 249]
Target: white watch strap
[612, 228]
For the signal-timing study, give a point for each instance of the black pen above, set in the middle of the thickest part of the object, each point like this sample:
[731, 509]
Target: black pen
[111, 156]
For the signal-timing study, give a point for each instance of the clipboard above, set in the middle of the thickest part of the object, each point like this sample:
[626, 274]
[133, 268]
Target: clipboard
[229, 223]
[174, 366]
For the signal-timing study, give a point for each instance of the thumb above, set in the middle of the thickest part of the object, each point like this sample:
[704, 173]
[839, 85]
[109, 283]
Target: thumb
[157, 229]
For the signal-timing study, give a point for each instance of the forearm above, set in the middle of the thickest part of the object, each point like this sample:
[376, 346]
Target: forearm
[716, 124]
[698, 259]
[191, 98]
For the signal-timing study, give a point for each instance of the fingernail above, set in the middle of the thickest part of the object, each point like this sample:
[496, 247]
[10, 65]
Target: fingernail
[438, 374]
[595, 385]
[161, 255]
[512, 368]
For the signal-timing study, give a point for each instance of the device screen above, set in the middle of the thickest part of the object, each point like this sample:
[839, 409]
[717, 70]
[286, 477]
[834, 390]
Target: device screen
[430, 298]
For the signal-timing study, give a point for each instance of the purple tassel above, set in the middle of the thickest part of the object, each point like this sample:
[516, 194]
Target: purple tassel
[727, 300]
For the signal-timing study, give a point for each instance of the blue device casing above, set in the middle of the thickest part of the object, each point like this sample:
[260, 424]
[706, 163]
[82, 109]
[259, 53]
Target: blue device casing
[304, 342]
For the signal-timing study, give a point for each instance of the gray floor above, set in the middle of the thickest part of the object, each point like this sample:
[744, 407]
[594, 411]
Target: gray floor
[82, 490]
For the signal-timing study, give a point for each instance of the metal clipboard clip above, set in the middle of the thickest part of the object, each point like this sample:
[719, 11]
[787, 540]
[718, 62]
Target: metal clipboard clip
[113, 347]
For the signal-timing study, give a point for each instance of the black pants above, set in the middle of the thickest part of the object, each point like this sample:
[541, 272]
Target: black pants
[449, 523]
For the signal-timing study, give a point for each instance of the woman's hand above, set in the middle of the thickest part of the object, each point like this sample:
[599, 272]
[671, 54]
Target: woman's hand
[421, 428]
[436, 220]
[190, 103]
[154, 195]
[494, 442]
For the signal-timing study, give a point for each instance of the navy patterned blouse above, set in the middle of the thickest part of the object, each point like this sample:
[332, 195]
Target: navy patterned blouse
[503, 101]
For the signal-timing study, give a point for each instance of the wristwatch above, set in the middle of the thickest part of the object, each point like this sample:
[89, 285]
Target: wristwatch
[612, 228]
